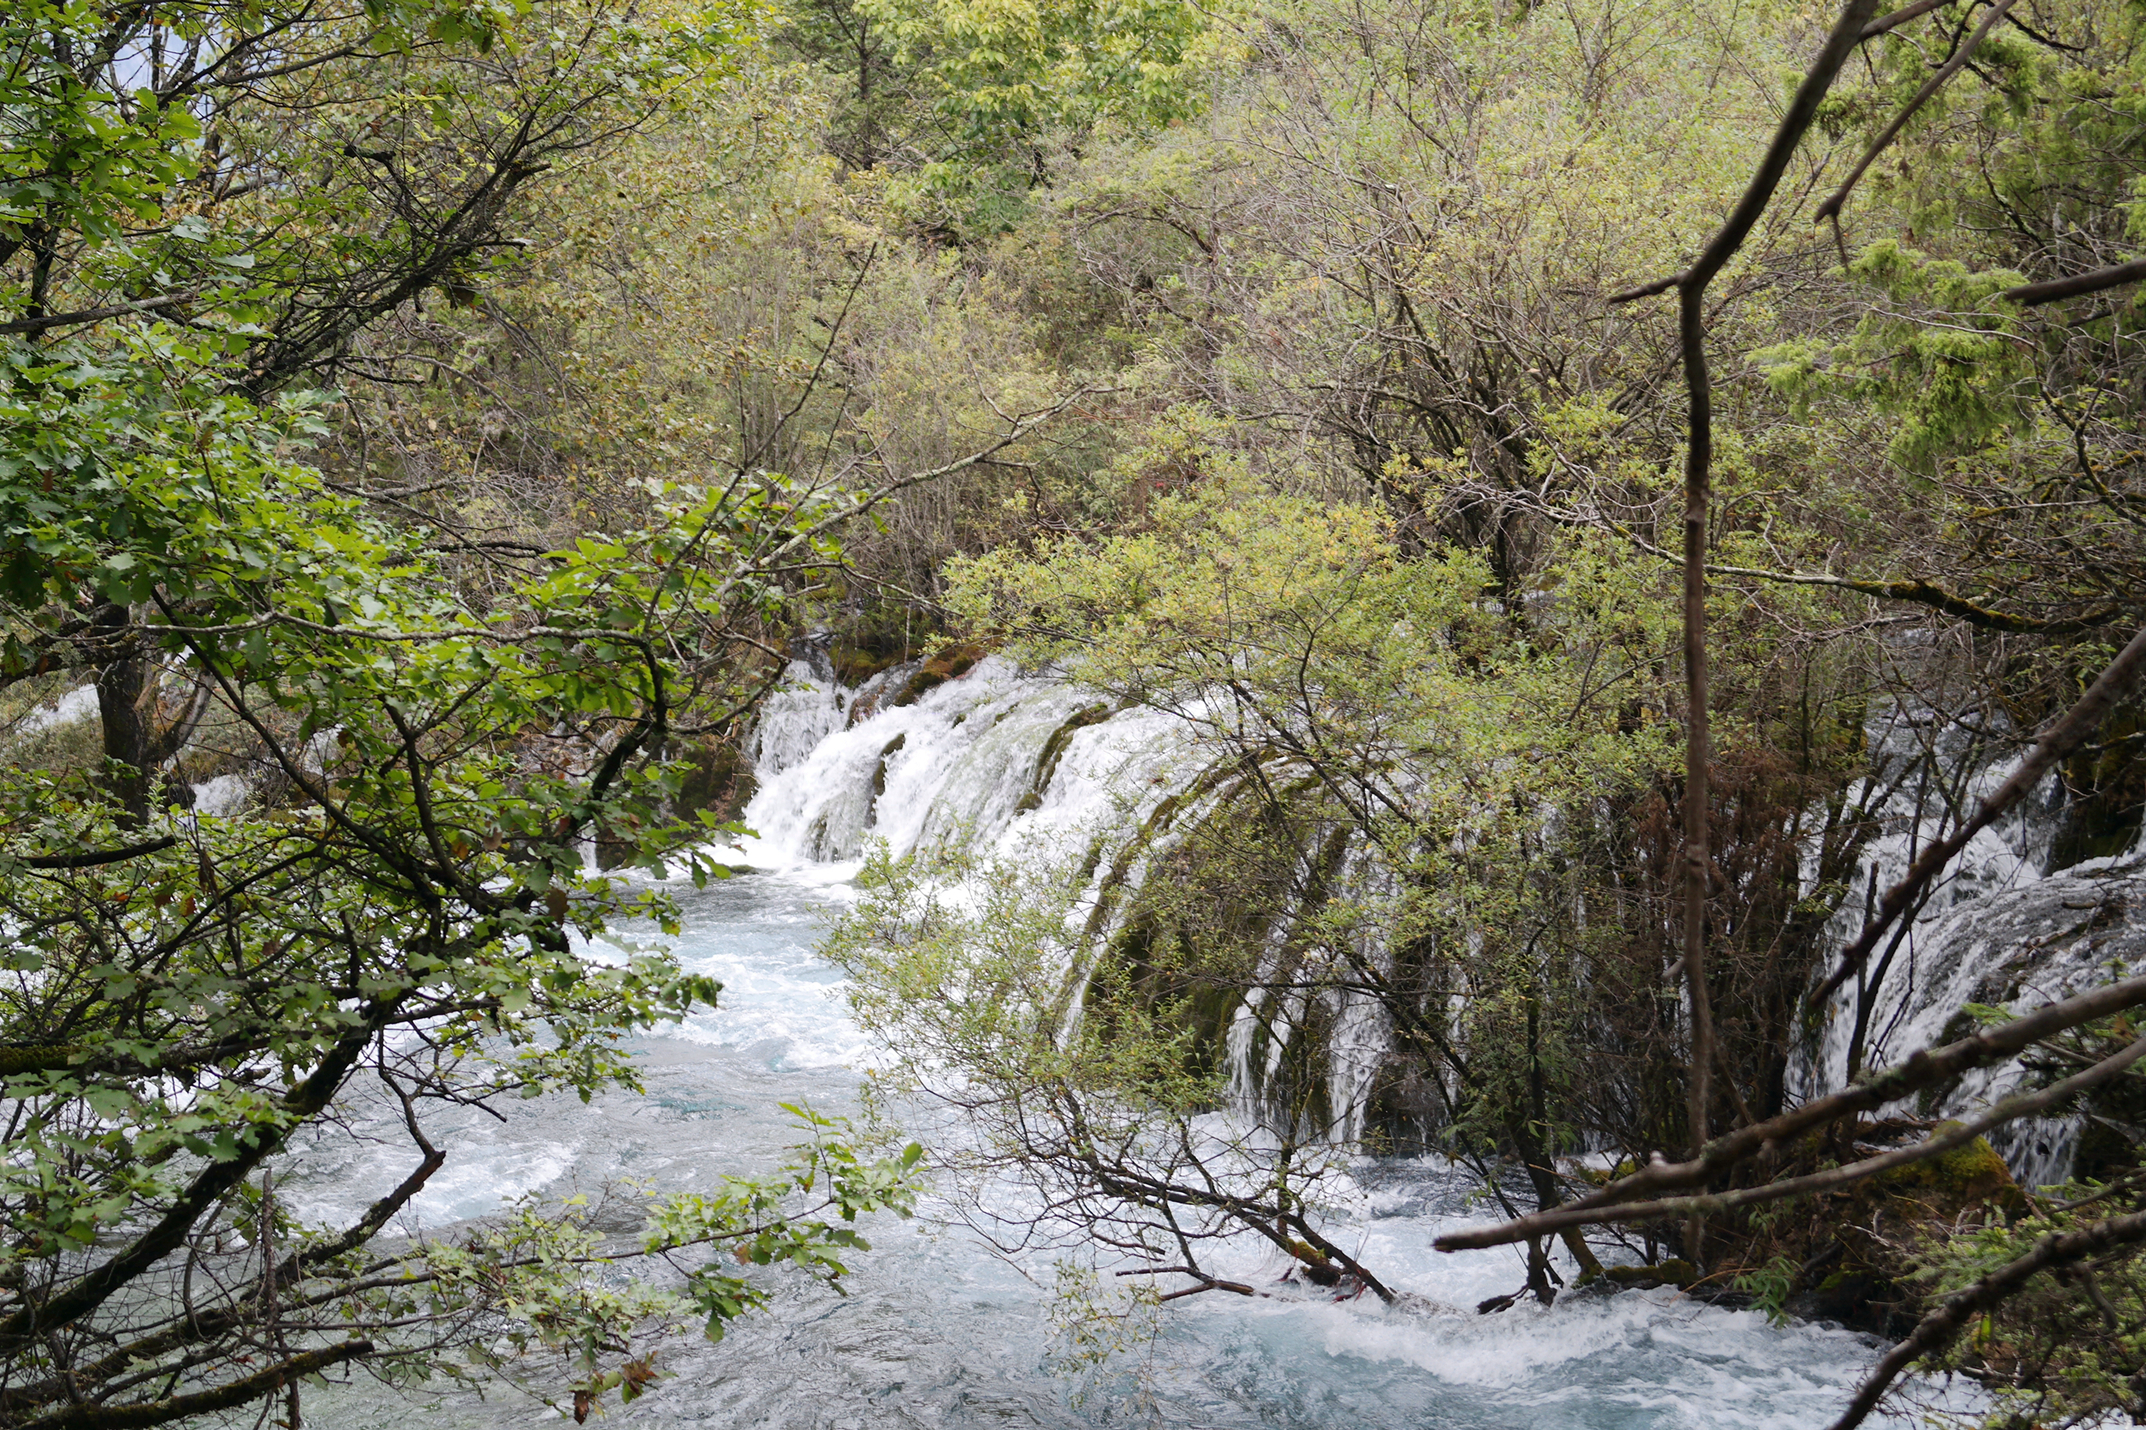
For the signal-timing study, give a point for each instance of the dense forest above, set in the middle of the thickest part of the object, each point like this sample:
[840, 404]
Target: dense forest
[1626, 512]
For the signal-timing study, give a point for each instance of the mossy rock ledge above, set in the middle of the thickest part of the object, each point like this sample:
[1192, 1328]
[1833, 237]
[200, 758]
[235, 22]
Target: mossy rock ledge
[948, 663]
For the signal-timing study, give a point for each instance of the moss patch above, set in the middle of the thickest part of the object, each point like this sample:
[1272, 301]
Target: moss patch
[1969, 1176]
[949, 663]
[1674, 1272]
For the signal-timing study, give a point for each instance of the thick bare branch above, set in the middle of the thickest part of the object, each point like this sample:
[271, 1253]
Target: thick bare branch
[97, 858]
[201, 1402]
[2011, 1109]
[1926, 1067]
[2078, 285]
[1901, 16]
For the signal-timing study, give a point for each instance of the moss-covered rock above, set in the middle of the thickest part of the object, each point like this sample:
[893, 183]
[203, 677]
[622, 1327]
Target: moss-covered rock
[1054, 750]
[1675, 1272]
[948, 663]
[854, 665]
[1968, 1178]
[1858, 1250]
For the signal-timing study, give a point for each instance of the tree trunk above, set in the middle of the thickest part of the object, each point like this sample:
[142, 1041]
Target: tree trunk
[122, 680]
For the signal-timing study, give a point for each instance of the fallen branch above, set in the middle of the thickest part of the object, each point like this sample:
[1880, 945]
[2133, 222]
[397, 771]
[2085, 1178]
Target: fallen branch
[1208, 1283]
[1926, 1067]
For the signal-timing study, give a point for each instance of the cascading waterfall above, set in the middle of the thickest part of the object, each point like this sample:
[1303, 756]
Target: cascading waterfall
[1011, 764]
[936, 1332]
[1024, 768]
[1031, 767]
[2000, 930]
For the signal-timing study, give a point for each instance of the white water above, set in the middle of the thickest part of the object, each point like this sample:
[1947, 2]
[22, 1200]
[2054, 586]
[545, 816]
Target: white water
[1998, 931]
[938, 1333]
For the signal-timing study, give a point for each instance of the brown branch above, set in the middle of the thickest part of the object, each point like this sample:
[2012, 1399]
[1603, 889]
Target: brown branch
[93, 315]
[2055, 746]
[195, 1328]
[1914, 590]
[1924, 593]
[1016, 430]
[1691, 288]
[1898, 18]
[2078, 285]
[96, 858]
[34, 1318]
[1208, 1283]
[1926, 1067]
[200, 1402]
[2011, 1109]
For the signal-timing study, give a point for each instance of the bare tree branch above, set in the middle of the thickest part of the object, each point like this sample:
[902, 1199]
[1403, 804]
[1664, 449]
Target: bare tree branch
[2078, 285]
[1926, 1067]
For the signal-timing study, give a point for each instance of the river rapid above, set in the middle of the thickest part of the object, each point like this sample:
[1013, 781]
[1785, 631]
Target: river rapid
[937, 1331]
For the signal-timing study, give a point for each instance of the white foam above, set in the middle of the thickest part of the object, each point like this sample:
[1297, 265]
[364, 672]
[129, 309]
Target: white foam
[221, 795]
[70, 708]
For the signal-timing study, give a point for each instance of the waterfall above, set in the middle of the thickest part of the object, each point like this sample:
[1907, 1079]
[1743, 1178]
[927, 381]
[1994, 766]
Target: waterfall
[1031, 767]
[1018, 767]
[2000, 930]
[1034, 769]
[1008, 762]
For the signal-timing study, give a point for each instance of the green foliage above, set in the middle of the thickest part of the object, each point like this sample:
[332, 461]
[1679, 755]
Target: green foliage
[2069, 1347]
[984, 92]
[1064, 1073]
[433, 727]
[1346, 695]
[1953, 388]
[1769, 1287]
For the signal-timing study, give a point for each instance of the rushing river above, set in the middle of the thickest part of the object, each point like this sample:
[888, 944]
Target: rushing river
[936, 1331]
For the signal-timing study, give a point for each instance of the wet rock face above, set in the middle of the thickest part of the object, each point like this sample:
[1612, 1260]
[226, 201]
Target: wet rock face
[1407, 1108]
[2104, 795]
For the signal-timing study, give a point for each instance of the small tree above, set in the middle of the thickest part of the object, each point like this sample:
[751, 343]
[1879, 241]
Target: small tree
[201, 205]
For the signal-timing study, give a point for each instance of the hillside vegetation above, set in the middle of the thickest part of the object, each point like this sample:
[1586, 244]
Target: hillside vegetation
[1531, 448]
